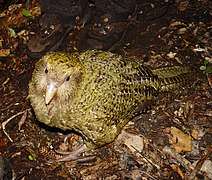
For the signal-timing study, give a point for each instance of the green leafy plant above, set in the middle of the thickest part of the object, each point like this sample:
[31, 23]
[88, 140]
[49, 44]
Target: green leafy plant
[32, 157]
[207, 67]
[26, 13]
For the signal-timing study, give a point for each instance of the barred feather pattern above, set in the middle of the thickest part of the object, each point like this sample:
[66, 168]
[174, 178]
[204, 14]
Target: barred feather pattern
[97, 92]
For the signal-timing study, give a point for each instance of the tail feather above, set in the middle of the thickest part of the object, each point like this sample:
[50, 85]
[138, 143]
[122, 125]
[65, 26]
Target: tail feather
[172, 78]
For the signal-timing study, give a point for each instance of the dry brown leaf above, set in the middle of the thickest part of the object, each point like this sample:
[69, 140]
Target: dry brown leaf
[195, 133]
[178, 170]
[132, 141]
[180, 140]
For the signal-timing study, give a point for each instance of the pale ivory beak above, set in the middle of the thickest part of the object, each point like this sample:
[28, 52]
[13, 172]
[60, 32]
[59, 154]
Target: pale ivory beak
[50, 92]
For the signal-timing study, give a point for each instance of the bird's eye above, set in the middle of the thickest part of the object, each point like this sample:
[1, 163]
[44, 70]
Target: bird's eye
[68, 78]
[46, 71]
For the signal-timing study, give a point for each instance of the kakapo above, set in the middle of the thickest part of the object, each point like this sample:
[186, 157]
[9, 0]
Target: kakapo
[96, 93]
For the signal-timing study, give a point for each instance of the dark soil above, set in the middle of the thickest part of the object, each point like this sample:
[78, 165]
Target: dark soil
[164, 33]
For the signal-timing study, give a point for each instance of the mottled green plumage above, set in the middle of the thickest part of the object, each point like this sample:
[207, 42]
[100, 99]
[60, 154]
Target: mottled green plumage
[97, 92]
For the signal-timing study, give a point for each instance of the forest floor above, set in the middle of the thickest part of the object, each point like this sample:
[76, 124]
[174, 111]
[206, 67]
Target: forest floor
[172, 140]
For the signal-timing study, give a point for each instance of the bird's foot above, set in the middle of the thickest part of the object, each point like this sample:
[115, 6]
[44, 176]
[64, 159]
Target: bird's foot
[74, 155]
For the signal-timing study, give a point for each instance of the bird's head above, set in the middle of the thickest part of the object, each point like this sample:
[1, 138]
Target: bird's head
[57, 76]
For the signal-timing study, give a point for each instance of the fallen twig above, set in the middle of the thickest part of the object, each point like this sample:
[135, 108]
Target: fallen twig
[200, 163]
[184, 162]
[3, 125]
[148, 160]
